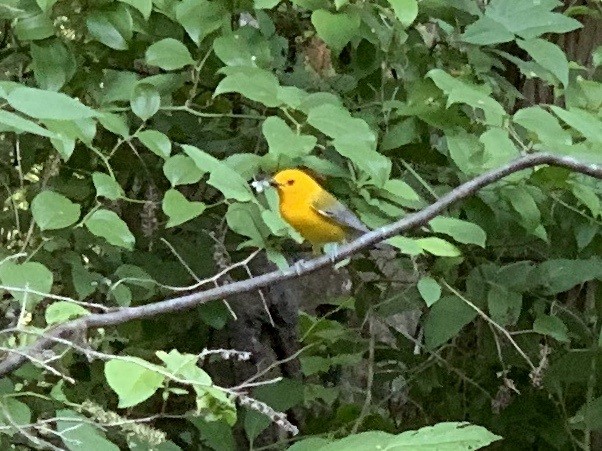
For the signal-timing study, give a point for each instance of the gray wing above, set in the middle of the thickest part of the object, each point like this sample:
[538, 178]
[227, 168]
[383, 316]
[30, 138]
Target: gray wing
[327, 205]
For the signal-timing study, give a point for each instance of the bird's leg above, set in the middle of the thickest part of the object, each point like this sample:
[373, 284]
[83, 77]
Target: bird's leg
[332, 250]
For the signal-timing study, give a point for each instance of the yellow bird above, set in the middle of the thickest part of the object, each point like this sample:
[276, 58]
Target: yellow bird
[315, 213]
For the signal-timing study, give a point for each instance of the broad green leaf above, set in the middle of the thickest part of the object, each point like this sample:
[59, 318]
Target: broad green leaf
[400, 134]
[530, 18]
[406, 245]
[222, 177]
[144, 6]
[585, 123]
[235, 50]
[107, 186]
[336, 29]
[179, 209]
[445, 320]
[560, 275]
[589, 197]
[461, 231]
[115, 124]
[543, 124]
[442, 436]
[185, 366]
[46, 5]
[62, 311]
[106, 224]
[201, 18]
[438, 247]
[353, 139]
[132, 380]
[29, 275]
[245, 219]
[499, 148]
[523, 203]
[253, 83]
[181, 170]
[41, 104]
[549, 56]
[20, 124]
[476, 96]
[265, 4]
[551, 326]
[486, 31]
[14, 413]
[168, 54]
[34, 28]
[401, 189]
[53, 64]
[429, 289]
[156, 142]
[283, 141]
[405, 10]
[79, 434]
[113, 26]
[504, 305]
[589, 415]
[466, 151]
[52, 211]
[145, 101]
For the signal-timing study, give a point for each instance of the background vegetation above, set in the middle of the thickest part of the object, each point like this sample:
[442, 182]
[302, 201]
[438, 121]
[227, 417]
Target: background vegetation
[130, 133]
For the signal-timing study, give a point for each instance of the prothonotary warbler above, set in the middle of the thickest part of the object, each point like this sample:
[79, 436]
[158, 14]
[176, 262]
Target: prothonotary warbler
[315, 213]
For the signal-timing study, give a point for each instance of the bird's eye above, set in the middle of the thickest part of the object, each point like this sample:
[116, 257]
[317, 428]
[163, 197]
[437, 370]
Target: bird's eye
[291, 182]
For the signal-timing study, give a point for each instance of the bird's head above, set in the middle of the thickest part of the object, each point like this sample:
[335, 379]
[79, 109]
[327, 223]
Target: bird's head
[294, 182]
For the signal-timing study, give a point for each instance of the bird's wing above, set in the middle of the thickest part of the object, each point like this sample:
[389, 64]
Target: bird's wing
[327, 205]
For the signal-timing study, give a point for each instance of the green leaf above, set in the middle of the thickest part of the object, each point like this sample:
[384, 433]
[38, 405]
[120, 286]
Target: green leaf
[445, 320]
[245, 219]
[551, 326]
[62, 311]
[52, 211]
[438, 247]
[185, 366]
[107, 186]
[144, 6]
[406, 245]
[429, 289]
[498, 148]
[20, 124]
[476, 96]
[201, 18]
[34, 28]
[222, 177]
[504, 305]
[53, 64]
[529, 18]
[132, 380]
[19, 413]
[405, 10]
[353, 139]
[486, 31]
[589, 415]
[106, 224]
[181, 170]
[179, 209]
[113, 26]
[145, 101]
[253, 83]
[78, 434]
[265, 4]
[441, 436]
[283, 141]
[30, 275]
[115, 123]
[168, 54]
[157, 142]
[560, 275]
[461, 231]
[42, 104]
[335, 29]
[549, 56]
[46, 5]
[543, 124]
[585, 123]
[523, 203]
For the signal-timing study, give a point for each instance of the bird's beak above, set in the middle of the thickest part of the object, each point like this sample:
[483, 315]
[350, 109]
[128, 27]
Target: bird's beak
[274, 183]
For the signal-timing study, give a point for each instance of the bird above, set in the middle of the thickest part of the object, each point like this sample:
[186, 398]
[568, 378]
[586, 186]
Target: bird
[317, 215]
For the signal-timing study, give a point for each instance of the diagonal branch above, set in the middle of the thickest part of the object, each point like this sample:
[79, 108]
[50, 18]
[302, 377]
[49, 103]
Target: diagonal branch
[179, 303]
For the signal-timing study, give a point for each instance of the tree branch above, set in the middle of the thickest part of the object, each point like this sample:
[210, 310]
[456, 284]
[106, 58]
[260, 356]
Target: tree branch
[179, 303]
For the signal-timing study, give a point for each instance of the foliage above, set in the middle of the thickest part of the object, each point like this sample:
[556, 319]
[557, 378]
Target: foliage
[130, 133]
